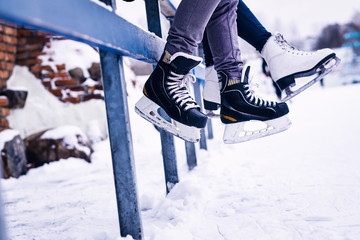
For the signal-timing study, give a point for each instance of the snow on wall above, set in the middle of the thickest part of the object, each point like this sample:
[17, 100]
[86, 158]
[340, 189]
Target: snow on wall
[43, 110]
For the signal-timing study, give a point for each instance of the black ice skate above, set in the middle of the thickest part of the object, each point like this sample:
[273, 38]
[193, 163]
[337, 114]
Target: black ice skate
[288, 66]
[247, 116]
[167, 88]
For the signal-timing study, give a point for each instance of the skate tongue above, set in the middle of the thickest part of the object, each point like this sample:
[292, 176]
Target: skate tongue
[245, 75]
[182, 63]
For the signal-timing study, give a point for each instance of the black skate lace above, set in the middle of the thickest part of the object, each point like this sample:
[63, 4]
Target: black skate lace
[178, 89]
[255, 99]
[286, 46]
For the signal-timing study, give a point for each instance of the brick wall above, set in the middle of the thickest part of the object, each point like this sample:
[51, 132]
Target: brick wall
[8, 43]
[23, 46]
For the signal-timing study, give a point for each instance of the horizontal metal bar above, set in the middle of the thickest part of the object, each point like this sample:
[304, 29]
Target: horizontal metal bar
[85, 21]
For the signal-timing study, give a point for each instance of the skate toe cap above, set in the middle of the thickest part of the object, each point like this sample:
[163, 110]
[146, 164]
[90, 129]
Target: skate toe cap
[283, 107]
[196, 118]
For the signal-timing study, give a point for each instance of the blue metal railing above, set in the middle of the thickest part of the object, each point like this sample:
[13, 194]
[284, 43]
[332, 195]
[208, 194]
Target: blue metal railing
[86, 21]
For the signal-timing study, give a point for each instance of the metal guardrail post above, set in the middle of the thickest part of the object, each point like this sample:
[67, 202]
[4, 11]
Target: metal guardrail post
[3, 235]
[167, 139]
[198, 99]
[121, 142]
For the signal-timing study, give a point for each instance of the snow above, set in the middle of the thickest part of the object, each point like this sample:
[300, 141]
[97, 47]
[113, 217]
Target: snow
[299, 184]
[70, 135]
[39, 111]
[73, 53]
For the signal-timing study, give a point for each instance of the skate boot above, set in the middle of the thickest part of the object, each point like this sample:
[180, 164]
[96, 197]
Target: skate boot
[167, 89]
[287, 65]
[245, 115]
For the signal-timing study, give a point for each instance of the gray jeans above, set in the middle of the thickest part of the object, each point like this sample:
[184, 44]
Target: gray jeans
[219, 19]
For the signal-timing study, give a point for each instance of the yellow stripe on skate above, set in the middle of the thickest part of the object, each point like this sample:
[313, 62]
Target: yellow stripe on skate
[228, 118]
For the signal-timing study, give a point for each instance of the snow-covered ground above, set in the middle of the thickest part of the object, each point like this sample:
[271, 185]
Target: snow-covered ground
[300, 184]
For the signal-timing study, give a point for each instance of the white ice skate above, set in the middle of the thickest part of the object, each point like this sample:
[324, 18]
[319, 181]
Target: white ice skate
[288, 65]
[154, 114]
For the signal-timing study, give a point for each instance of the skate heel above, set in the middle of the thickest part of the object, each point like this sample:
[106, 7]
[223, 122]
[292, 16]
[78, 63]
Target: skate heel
[286, 82]
[151, 112]
[211, 106]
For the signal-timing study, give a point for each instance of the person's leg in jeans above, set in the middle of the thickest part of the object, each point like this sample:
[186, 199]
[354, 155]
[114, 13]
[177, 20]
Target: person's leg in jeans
[284, 61]
[167, 85]
[238, 104]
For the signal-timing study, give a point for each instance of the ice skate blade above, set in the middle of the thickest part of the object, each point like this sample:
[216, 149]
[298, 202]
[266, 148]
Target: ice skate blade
[237, 132]
[322, 71]
[150, 112]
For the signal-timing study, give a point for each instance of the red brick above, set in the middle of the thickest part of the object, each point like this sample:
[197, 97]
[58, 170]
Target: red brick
[57, 92]
[37, 40]
[72, 99]
[60, 67]
[4, 112]
[24, 32]
[10, 66]
[4, 74]
[10, 49]
[77, 89]
[21, 41]
[10, 57]
[92, 96]
[9, 39]
[29, 62]
[65, 82]
[46, 84]
[43, 34]
[36, 54]
[10, 31]
[2, 46]
[39, 68]
[2, 56]
[3, 65]
[57, 75]
[4, 123]
[4, 102]
[30, 48]
[3, 84]
[22, 56]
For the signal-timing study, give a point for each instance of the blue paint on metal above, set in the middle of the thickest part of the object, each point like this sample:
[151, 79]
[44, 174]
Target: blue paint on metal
[210, 129]
[83, 20]
[167, 139]
[121, 144]
[198, 99]
[3, 235]
[191, 159]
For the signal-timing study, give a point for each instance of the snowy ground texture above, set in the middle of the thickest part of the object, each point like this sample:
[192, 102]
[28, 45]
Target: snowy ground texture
[300, 184]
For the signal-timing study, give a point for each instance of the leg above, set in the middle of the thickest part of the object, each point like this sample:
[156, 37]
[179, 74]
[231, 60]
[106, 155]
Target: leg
[239, 106]
[166, 87]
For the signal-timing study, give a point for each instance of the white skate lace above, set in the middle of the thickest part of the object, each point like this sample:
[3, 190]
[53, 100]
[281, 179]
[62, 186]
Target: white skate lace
[286, 46]
[178, 88]
[255, 99]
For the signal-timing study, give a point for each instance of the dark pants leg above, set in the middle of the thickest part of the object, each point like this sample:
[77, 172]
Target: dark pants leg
[249, 28]
[219, 17]
[221, 33]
